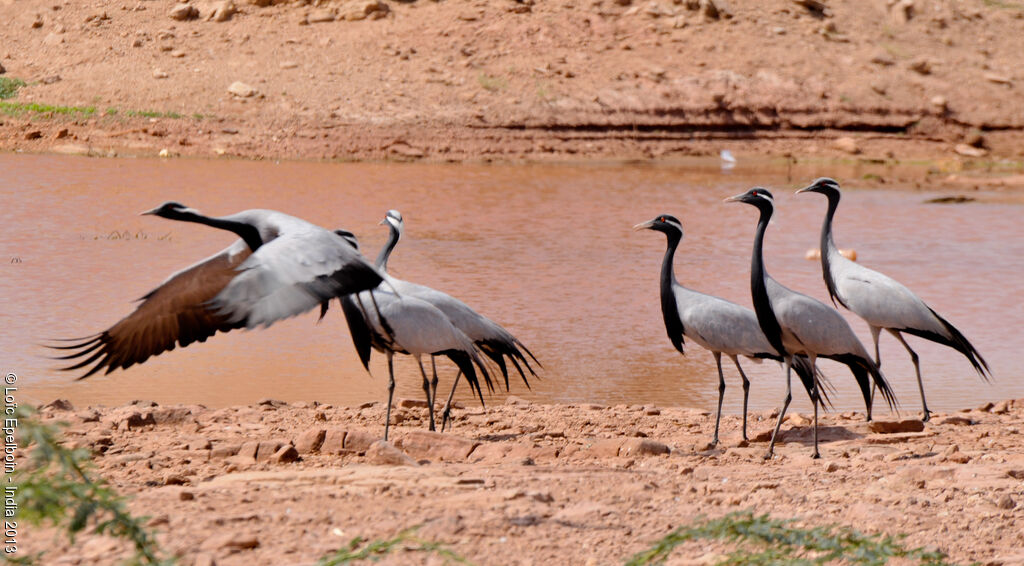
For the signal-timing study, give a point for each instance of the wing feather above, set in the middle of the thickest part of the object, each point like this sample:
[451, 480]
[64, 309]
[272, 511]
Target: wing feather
[176, 312]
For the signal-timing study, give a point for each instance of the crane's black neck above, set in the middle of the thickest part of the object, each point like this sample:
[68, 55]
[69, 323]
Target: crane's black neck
[669, 308]
[247, 232]
[828, 247]
[759, 285]
[385, 252]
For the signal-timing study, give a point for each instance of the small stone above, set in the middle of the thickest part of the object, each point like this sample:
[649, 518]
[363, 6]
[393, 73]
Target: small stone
[382, 453]
[136, 420]
[921, 66]
[710, 10]
[831, 467]
[186, 495]
[225, 450]
[199, 444]
[413, 403]
[241, 89]
[1006, 502]
[310, 441]
[288, 65]
[224, 11]
[267, 449]
[968, 151]
[373, 9]
[902, 11]
[268, 402]
[182, 12]
[847, 145]
[334, 442]
[642, 447]
[894, 427]
[285, 455]
[997, 78]
[175, 479]
[1002, 407]
[975, 139]
[59, 404]
[883, 58]
[359, 441]
[940, 104]
[321, 16]
[1016, 474]
[434, 445]
[249, 450]
[38, 22]
[230, 541]
[159, 74]
[164, 153]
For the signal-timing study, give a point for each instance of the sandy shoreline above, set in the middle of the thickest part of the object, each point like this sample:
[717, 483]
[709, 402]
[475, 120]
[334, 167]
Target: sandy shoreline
[525, 483]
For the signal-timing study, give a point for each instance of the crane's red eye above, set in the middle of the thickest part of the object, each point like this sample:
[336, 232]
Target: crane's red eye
[661, 219]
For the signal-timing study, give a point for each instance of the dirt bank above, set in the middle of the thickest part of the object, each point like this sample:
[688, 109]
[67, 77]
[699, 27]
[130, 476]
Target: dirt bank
[524, 483]
[514, 80]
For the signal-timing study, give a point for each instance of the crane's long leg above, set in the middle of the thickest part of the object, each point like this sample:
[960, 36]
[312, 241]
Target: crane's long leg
[746, 393]
[391, 392]
[721, 395]
[426, 391]
[787, 362]
[446, 415]
[814, 400]
[917, 369]
[433, 383]
[875, 330]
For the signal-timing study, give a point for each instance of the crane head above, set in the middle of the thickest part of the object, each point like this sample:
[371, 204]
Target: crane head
[757, 196]
[394, 219]
[348, 237]
[663, 223]
[170, 209]
[824, 185]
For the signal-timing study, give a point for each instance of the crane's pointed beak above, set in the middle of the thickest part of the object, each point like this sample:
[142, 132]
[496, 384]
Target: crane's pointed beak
[734, 198]
[804, 190]
[643, 226]
[149, 212]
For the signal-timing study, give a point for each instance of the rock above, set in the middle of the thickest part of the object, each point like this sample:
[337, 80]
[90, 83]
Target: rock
[59, 405]
[1006, 502]
[815, 7]
[710, 10]
[33, 134]
[226, 450]
[997, 78]
[893, 427]
[920, 66]
[902, 11]
[268, 402]
[51, 80]
[199, 444]
[171, 415]
[288, 65]
[249, 450]
[359, 441]
[61, 134]
[334, 442]
[223, 12]
[230, 541]
[436, 446]
[183, 12]
[241, 90]
[373, 9]
[975, 139]
[1002, 407]
[88, 416]
[883, 58]
[1016, 474]
[796, 419]
[321, 16]
[175, 479]
[382, 453]
[159, 74]
[969, 151]
[311, 441]
[847, 145]
[136, 420]
[608, 448]
[412, 403]
[940, 104]
[38, 22]
[284, 455]
[266, 449]
[643, 447]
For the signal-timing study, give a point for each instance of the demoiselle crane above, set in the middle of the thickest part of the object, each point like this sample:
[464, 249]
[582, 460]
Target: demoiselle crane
[797, 324]
[882, 301]
[717, 325]
[282, 266]
[408, 325]
[490, 337]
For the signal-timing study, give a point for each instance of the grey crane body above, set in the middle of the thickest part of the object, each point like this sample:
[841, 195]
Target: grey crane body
[490, 338]
[881, 301]
[797, 324]
[282, 266]
[715, 324]
[399, 324]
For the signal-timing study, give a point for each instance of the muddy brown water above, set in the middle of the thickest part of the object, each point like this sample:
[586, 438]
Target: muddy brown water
[547, 251]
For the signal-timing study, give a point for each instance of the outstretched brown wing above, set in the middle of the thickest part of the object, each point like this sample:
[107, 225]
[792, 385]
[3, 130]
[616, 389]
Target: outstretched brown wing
[176, 312]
